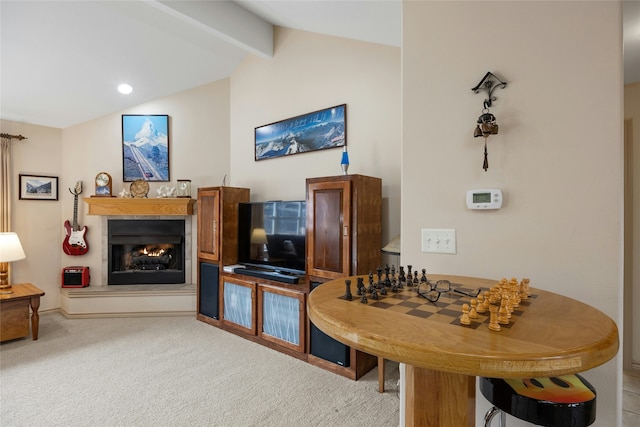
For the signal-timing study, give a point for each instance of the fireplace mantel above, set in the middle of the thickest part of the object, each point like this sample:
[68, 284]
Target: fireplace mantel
[133, 206]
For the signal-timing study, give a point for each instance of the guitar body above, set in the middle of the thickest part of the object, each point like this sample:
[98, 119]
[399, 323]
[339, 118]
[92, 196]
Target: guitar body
[75, 243]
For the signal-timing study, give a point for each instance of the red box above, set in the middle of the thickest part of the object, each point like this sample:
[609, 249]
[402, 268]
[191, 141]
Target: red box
[75, 277]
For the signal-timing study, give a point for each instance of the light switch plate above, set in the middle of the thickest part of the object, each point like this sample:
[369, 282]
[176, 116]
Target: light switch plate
[442, 241]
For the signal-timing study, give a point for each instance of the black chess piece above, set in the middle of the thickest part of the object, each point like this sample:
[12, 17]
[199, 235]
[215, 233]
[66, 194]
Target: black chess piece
[364, 299]
[387, 280]
[374, 294]
[383, 291]
[409, 267]
[347, 293]
[401, 276]
[394, 288]
[415, 278]
[423, 278]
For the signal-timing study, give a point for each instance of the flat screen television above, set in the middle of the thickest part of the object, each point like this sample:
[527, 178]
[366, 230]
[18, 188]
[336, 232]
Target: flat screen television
[272, 235]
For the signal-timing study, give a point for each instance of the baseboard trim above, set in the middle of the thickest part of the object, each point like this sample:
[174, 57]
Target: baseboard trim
[128, 314]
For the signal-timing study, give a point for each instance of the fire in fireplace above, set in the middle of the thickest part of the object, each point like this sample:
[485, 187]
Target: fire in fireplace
[146, 252]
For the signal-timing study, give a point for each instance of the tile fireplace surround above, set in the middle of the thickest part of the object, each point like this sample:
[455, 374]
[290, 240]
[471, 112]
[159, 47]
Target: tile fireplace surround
[101, 300]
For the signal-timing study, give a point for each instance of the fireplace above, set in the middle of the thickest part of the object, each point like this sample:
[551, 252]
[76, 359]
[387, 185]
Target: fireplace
[146, 251]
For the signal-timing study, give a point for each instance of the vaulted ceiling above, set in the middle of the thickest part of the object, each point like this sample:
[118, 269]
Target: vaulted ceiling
[62, 60]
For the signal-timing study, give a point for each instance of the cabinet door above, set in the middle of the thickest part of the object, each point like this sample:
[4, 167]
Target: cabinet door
[281, 316]
[208, 223]
[238, 308]
[328, 229]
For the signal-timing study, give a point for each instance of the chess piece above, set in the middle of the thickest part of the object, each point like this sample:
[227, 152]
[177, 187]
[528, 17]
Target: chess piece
[374, 294]
[503, 315]
[493, 318]
[473, 313]
[383, 291]
[464, 319]
[423, 278]
[364, 299]
[415, 278]
[480, 307]
[401, 276]
[347, 293]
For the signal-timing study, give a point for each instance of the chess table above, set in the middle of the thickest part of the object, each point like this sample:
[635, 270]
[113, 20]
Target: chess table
[550, 335]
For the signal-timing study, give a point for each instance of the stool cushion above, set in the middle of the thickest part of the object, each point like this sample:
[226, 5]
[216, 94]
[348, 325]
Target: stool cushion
[568, 400]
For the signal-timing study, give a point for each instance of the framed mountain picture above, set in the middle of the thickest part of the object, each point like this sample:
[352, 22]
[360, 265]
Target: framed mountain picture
[145, 147]
[318, 130]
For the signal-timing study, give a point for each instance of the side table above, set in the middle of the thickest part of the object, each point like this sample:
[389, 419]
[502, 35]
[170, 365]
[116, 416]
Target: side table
[14, 312]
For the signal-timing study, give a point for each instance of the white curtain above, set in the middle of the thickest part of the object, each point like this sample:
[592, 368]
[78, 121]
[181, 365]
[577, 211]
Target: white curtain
[5, 184]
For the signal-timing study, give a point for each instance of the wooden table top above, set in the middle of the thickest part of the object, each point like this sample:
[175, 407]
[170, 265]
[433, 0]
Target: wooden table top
[22, 290]
[555, 335]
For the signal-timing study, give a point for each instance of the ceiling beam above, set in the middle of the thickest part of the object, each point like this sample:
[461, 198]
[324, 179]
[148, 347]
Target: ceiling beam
[226, 20]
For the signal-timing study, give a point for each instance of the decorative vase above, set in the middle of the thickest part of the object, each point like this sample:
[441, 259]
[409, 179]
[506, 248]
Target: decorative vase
[345, 161]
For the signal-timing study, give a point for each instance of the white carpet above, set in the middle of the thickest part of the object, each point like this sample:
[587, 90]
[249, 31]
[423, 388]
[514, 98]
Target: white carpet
[175, 371]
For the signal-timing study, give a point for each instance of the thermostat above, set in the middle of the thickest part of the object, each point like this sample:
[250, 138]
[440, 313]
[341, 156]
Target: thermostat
[484, 199]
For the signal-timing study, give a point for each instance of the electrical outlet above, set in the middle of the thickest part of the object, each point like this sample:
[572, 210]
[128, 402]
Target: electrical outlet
[442, 241]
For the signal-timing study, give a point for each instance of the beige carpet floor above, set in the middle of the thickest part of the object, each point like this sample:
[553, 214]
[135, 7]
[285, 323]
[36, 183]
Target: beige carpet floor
[175, 371]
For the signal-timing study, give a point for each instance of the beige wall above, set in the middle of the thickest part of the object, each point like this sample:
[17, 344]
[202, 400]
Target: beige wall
[632, 112]
[38, 222]
[558, 156]
[309, 72]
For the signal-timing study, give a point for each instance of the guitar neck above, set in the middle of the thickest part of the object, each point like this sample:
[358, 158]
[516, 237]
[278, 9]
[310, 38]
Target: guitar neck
[75, 212]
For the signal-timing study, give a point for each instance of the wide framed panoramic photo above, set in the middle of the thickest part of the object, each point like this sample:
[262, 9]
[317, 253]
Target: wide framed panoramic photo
[145, 147]
[318, 130]
[38, 187]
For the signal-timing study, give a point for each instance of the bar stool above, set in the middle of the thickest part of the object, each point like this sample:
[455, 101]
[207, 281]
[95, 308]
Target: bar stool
[565, 401]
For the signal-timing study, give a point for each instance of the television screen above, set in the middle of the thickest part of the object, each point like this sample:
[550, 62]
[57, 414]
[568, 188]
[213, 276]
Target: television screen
[272, 234]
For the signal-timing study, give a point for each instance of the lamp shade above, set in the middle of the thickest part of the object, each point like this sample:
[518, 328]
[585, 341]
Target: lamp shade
[10, 247]
[393, 247]
[258, 236]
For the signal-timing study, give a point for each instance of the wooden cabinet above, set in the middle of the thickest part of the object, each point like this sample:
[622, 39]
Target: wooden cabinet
[281, 316]
[238, 305]
[263, 311]
[344, 226]
[217, 243]
[218, 223]
[344, 238]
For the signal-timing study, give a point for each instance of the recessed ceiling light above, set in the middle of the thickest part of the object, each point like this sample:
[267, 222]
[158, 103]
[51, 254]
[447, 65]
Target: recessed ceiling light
[125, 89]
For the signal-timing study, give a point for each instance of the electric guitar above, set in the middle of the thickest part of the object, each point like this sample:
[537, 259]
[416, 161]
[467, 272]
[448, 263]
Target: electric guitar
[74, 243]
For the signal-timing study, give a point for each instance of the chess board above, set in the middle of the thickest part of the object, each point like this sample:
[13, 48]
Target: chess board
[447, 309]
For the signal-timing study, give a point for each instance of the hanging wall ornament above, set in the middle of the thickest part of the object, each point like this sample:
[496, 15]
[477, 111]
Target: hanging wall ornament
[486, 124]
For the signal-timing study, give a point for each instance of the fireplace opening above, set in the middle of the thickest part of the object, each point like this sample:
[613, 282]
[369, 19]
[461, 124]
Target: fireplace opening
[146, 252]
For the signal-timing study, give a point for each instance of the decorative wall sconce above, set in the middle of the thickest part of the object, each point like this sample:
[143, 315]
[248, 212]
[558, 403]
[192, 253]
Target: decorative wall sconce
[486, 123]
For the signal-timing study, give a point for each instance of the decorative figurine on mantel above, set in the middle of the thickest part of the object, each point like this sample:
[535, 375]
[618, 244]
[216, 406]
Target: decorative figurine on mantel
[165, 191]
[124, 194]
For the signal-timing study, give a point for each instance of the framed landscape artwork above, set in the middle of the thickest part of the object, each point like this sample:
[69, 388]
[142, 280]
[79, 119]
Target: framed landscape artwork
[318, 130]
[145, 147]
[38, 187]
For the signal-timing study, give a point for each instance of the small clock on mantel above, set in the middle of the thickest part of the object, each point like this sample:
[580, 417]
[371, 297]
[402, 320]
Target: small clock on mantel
[104, 185]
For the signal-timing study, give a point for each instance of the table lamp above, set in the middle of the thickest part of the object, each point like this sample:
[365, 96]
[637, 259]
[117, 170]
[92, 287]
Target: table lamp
[10, 250]
[259, 237]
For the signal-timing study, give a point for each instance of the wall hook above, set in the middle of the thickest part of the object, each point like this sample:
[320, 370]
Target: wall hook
[489, 83]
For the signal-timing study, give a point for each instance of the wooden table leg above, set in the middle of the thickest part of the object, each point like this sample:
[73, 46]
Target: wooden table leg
[381, 374]
[35, 317]
[439, 399]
